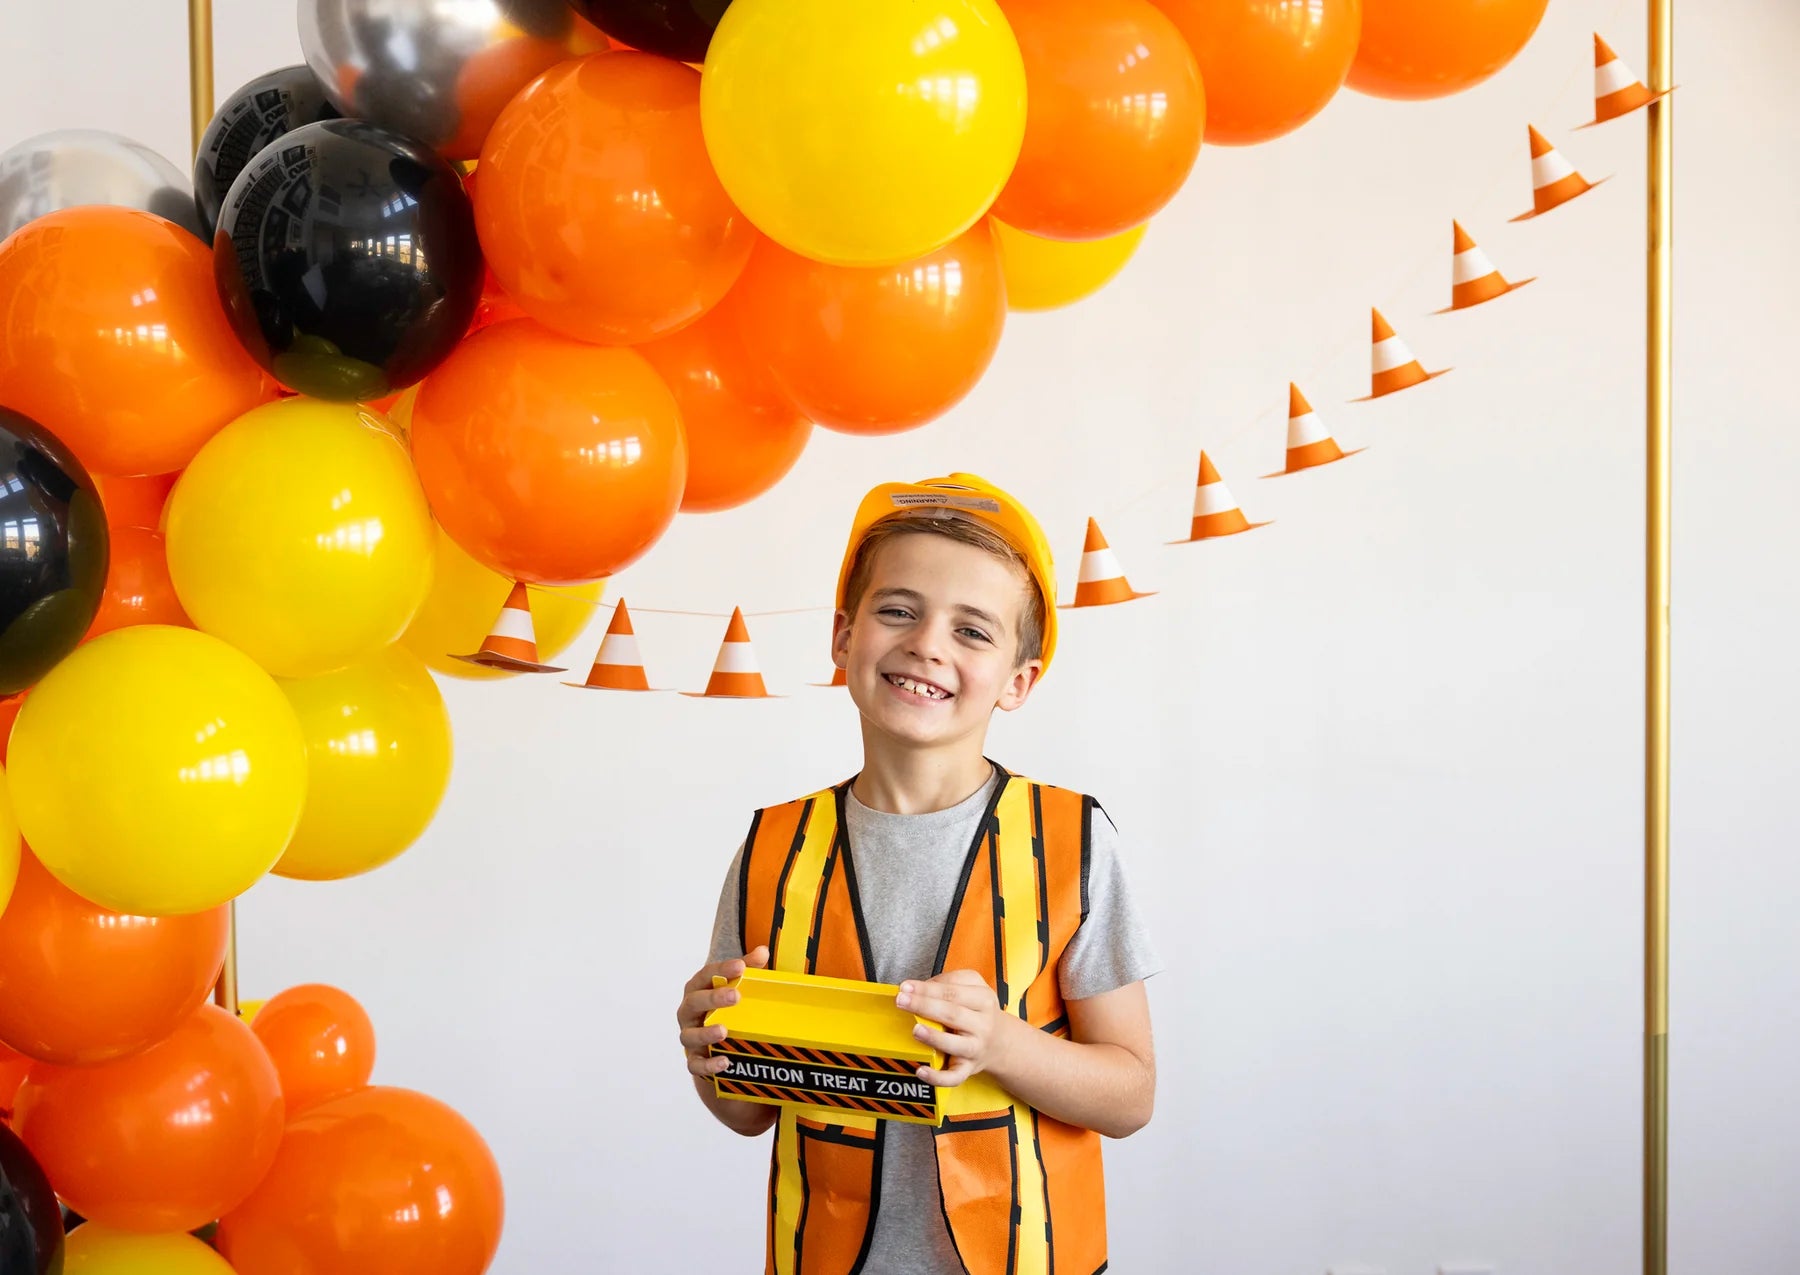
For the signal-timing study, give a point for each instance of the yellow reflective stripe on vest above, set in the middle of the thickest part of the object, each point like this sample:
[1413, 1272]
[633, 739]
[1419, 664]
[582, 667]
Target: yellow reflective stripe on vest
[800, 895]
[790, 1189]
[1021, 956]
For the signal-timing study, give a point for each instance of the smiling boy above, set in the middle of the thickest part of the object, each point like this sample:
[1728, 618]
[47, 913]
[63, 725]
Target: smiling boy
[998, 904]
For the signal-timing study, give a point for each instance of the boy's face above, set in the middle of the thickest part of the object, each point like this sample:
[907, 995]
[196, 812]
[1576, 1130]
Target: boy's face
[933, 647]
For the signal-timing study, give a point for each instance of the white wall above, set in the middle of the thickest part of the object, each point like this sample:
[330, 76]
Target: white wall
[1378, 765]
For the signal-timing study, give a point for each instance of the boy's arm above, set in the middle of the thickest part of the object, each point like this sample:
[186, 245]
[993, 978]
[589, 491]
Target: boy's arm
[698, 999]
[1102, 1078]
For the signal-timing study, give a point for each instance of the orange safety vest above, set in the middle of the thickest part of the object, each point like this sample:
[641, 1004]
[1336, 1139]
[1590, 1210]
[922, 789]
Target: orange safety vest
[1022, 1193]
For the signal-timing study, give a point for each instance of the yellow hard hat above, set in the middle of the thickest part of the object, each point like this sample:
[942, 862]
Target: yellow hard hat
[972, 497]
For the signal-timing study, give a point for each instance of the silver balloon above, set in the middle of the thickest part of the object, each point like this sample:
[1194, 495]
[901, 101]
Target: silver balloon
[76, 166]
[438, 71]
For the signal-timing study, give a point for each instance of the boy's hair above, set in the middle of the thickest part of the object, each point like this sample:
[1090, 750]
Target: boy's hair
[963, 530]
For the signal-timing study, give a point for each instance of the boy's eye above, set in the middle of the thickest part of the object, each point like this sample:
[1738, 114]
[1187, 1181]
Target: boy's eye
[977, 634]
[902, 612]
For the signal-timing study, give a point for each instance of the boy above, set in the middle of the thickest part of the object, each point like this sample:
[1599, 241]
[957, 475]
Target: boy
[996, 903]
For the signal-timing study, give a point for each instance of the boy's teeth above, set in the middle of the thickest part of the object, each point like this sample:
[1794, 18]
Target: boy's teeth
[907, 684]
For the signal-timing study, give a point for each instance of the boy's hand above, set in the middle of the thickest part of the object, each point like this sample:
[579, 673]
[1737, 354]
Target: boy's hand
[978, 1031]
[699, 998]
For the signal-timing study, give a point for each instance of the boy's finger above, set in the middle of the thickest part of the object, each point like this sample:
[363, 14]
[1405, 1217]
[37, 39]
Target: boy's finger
[757, 957]
[944, 1042]
[709, 998]
[944, 1014]
[947, 1079]
[697, 1038]
[933, 1001]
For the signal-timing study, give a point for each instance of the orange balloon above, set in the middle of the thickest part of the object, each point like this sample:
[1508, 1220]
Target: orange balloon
[549, 460]
[495, 306]
[1115, 109]
[320, 1040]
[1432, 48]
[134, 502]
[165, 1140]
[1269, 65]
[743, 435]
[875, 350]
[138, 588]
[381, 1180]
[9, 713]
[80, 984]
[13, 1068]
[598, 208]
[112, 336]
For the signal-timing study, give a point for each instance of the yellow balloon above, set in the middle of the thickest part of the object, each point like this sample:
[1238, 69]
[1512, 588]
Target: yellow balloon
[401, 413]
[464, 602]
[300, 535]
[1042, 274]
[93, 1249]
[863, 133]
[157, 771]
[9, 844]
[248, 1010]
[378, 761]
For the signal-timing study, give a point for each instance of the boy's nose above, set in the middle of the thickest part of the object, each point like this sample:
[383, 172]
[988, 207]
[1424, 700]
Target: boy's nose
[928, 643]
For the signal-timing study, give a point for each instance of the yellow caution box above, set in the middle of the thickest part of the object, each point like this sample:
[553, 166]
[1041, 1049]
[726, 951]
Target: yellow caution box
[810, 1041]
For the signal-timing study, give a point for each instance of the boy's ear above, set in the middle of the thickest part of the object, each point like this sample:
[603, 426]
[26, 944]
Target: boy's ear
[840, 639]
[1018, 690]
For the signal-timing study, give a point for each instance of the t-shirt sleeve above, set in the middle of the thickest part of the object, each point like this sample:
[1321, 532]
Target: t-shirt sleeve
[1112, 947]
[726, 940]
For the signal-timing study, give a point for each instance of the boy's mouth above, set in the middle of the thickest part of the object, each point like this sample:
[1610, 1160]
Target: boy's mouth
[928, 690]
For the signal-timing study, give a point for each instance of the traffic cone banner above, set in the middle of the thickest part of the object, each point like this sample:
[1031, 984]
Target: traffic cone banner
[1617, 91]
[1102, 581]
[735, 673]
[617, 665]
[1216, 513]
[1554, 181]
[1309, 443]
[1473, 278]
[512, 646]
[1392, 365]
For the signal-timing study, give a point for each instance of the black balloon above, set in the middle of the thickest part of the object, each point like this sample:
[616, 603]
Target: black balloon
[53, 551]
[346, 257]
[31, 1221]
[679, 29]
[269, 107]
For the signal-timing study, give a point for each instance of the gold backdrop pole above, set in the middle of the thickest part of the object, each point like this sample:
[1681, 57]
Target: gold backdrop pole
[1659, 307]
[200, 67]
[200, 109]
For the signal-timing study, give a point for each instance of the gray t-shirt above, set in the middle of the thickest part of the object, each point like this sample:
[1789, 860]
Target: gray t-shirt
[907, 867]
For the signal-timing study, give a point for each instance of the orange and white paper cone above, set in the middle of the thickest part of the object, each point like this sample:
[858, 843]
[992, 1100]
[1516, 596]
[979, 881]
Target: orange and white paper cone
[1309, 443]
[1102, 581]
[1617, 91]
[617, 665]
[1392, 365]
[1216, 512]
[1473, 278]
[735, 673]
[1554, 181]
[512, 645]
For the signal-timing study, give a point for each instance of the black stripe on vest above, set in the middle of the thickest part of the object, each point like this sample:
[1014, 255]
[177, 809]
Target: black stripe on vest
[779, 912]
[744, 883]
[818, 916]
[856, 909]
[968, 870]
